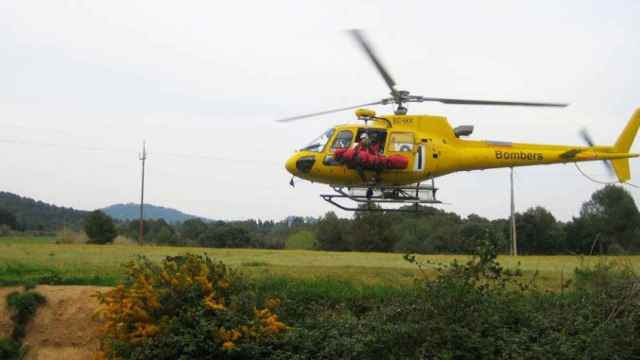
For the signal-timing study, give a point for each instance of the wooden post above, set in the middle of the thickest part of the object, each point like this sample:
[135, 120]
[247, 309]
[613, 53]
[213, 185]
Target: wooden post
[514, 240]
[143, 158]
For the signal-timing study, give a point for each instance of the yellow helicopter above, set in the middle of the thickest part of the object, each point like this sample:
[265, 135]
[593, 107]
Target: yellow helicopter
[387, 159]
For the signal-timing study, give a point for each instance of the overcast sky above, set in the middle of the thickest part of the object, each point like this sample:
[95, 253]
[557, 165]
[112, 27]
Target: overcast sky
[82, 83]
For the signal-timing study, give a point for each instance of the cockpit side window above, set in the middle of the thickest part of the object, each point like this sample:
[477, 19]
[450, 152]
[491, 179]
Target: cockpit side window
[343, 140]
[318, 144]
[402, 141]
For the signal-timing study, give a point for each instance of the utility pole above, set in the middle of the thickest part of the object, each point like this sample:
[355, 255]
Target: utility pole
[142, 157]
[514, 241]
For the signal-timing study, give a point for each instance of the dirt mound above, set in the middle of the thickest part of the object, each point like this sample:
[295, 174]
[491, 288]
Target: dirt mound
[5, 321]
[63, 328]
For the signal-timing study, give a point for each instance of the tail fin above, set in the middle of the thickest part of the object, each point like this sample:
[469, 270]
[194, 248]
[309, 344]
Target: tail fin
[621, 167]
[623, 144]
[625, 140]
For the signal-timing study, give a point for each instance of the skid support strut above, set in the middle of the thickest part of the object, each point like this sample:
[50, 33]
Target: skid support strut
[383, 195]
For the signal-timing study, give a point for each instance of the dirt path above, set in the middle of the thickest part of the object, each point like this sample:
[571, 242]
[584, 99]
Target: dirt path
[63, 328]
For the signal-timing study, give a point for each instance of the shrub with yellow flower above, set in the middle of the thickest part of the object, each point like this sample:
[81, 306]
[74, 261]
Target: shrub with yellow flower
[187, 307]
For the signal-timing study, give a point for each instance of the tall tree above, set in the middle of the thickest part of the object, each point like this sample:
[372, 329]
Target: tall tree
[221, 234]
[538, 232]
[474, 231]
[192, 229]
[100, 228]
[414, 235]
[611, 216]
[331, 233]
[372, 231]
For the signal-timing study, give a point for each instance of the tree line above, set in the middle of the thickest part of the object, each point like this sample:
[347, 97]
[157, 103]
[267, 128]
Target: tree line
[608, 223]
[197, 232]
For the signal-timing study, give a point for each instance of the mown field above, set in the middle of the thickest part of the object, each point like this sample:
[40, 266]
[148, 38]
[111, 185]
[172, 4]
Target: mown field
[40, 259]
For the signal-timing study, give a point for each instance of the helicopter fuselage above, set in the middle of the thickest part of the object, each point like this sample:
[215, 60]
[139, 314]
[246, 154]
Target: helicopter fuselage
[433, 149]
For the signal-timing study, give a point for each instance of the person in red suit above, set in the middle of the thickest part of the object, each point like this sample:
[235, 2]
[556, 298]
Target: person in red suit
[361, 155]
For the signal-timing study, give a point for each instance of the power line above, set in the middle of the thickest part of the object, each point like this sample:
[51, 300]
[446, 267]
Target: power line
[127, 150]
[19, 141]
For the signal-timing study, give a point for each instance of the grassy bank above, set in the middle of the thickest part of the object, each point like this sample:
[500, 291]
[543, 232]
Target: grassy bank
[40, 259]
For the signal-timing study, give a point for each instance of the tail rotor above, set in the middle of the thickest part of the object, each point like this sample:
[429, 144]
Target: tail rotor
[588, 139]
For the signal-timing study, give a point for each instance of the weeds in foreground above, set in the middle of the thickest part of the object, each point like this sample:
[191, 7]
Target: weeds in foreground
[473, 310]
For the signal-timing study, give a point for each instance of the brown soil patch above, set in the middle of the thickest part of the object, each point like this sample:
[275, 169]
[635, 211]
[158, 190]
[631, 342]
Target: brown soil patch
[5, 321]
[63, 328]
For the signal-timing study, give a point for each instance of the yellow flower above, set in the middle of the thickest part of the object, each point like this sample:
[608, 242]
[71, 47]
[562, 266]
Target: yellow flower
[205, 283]
[273, 303]
[100, 355]
[165, 276]
[204, 270]
[262, 313]
[212, 304]
[228, 345]
[277, 326]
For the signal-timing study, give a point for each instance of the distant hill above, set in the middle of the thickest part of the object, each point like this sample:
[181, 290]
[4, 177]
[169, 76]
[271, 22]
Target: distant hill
[131, 211]
[37, 215]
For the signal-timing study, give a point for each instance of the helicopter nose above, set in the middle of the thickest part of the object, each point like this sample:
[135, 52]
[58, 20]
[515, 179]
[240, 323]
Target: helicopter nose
[290, 165]
[300, 165]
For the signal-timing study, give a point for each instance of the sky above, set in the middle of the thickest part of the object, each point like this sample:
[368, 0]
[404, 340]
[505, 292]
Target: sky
[84, 83]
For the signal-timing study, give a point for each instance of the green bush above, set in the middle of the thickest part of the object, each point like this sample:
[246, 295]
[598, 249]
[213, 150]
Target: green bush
[11, 350]
[99, 228]
[23, 306]
[471, 310]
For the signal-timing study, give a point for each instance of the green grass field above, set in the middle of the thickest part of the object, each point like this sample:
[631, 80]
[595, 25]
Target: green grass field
[40, 259]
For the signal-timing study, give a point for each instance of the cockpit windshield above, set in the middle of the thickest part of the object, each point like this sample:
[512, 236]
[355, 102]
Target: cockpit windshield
[318, 144]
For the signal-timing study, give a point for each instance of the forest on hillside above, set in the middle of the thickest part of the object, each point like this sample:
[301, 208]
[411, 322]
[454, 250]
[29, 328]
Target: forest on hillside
[33, 215]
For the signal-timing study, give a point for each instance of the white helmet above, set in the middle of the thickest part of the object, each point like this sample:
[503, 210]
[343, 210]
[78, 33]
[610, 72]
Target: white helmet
[364, 136]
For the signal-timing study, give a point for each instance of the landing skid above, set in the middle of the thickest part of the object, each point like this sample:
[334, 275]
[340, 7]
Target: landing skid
[383, 195]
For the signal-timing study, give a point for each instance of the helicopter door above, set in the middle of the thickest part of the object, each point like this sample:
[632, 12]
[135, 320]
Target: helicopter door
[403, 143]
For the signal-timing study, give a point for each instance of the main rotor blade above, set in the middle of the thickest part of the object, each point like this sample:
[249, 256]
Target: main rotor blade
[609, 167]
[491, 102]
[328, 111]
[364, 44]
[584, 134]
